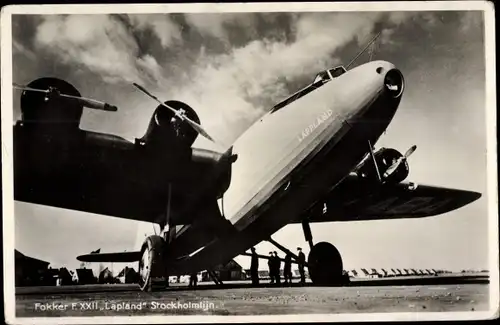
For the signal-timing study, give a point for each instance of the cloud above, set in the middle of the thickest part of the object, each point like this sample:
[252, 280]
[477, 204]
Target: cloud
[471, 20]
[218, 25]
[19, 48]
[163, 27]
[99, 43]
[228, 89]
[240, 85]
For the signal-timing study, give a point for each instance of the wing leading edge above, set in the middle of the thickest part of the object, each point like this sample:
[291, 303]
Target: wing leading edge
[354, 199]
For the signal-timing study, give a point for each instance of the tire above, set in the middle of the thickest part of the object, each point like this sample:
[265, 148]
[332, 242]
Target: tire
[152, 268]
[325, 265]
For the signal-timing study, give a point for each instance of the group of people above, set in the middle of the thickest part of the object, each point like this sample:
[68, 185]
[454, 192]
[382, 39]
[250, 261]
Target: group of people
[274, 264]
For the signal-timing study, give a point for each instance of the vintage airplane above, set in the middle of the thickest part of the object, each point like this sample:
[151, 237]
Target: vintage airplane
[309, 159]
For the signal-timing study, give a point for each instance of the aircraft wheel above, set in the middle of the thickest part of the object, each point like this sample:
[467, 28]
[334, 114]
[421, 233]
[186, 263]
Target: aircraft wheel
[325, 265]
[152, 269]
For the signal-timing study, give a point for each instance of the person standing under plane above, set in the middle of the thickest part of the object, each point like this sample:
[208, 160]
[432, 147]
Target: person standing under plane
[287, 269]
[277, 266]
[193, 280]
[270, 264]
[302, 261]
[254, 268]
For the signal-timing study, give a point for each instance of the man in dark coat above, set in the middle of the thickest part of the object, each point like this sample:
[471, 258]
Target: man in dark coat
[287, 270]
[270, 263]
[302, 261]
[277, 266]
[193, 279]
[254, 268]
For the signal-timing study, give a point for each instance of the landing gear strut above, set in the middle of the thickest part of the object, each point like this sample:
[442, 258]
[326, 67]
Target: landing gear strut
[152, 265]
[324, 261]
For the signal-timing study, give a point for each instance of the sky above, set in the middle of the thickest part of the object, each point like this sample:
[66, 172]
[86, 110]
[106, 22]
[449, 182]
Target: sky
[232, 68]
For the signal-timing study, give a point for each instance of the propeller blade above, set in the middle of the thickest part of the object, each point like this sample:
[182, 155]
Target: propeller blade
[198, 128]
[87, 102]
[92, 103]
[21, 87]
[141, 88]
[158, 101]
[394, 166]
[410, 151]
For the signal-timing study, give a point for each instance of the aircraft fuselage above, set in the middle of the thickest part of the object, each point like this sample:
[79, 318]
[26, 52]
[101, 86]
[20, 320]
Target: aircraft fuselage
[293, 156]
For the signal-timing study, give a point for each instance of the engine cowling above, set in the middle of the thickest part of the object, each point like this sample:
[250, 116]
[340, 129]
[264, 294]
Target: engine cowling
[165, 128]
[53, 112]
[385, 158]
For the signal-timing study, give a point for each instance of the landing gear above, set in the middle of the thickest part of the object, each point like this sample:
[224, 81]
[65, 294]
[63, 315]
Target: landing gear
[325, 265]
[152, 264]
[324, 261]
[153, 274]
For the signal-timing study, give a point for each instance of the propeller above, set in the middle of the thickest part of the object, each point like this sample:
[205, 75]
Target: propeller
[87, 102]
[177, 113]
[396, 164]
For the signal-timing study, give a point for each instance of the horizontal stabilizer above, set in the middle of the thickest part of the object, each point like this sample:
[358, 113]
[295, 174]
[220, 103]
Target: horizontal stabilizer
[125, 257]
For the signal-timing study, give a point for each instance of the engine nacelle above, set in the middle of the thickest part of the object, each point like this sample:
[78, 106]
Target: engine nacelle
[165, 128]
[51, 112]
[385, 157]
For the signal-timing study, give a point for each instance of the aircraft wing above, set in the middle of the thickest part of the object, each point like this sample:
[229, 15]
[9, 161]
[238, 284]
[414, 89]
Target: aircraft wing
[353, 199]
[126, 257]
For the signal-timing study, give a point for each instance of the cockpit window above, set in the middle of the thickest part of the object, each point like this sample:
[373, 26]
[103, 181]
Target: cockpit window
[337, 72]
[322, 76]
[320, 79]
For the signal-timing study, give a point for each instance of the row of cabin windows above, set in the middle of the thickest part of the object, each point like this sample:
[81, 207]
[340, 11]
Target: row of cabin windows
[320, 80]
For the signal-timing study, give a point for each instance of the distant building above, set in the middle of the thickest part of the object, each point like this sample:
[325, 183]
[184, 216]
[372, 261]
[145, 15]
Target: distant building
[30, 271]
[392, 273]
[353, 273]
[85, 276]
[64, 277]
[128, 275]
[231, 271]
[264, 274]
[106, 276]
[376, 274]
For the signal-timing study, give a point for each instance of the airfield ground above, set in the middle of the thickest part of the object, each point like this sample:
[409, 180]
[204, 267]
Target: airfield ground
[241, 299]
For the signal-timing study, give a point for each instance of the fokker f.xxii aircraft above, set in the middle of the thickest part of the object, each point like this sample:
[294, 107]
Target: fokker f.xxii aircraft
[309, 159]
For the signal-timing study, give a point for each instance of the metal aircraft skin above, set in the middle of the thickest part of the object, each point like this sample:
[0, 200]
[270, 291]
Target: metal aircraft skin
[310, 159]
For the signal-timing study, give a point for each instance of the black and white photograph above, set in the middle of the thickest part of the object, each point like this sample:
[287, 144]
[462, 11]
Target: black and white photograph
[249, 162]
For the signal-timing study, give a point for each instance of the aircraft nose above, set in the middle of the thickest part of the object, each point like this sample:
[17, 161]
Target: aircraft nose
[380, 92]
[394, 83]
